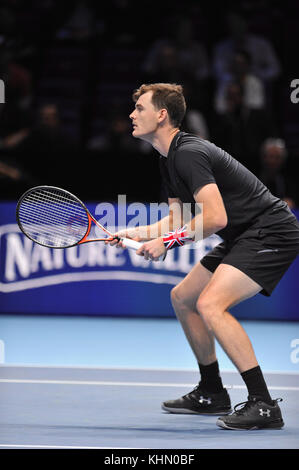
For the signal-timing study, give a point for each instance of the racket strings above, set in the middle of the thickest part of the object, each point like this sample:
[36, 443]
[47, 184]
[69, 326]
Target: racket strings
[50, 232]
[33, 226]
[41, 210]
[48, 197]
[58, 197]
[49, 236]
[53, 218]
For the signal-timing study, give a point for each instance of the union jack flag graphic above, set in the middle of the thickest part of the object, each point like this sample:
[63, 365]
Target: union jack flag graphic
[176, 238]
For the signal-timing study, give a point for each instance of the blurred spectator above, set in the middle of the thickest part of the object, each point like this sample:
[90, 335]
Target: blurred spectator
[241, 130]
[13, 140]
[117, 157]
[80, 24]
[180, 58]
[47, 151]
[15, 112]
[14, 178]
[253, 95]
[116, 137]
[15, 123]
[18, 84]
[17, 78]
[264, 61]
[49, 117]
[194, 120]
[9, 171]
[272, 173]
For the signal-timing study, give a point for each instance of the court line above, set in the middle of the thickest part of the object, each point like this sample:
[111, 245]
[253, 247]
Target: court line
[125, 368]
[125, 384]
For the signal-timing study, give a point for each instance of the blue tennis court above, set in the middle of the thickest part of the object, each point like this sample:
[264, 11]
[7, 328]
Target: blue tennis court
[73, 382]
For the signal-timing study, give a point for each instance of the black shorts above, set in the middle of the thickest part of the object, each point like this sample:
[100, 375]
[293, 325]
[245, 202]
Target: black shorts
[263, 254]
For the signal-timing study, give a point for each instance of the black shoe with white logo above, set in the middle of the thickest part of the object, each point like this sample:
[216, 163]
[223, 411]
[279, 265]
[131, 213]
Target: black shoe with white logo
[254, 414]
[200, 402]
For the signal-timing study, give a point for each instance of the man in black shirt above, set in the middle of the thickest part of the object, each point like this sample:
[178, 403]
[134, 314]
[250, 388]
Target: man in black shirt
[260, 241]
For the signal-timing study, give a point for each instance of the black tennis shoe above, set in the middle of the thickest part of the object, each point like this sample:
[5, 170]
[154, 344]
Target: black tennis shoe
[254, 414]
[199, 401]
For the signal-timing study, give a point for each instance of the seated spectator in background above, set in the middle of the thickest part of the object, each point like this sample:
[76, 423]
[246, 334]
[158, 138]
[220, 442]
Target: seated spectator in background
[15, 124]
[112, 154]
[47, 123]
[17, 78]
[47, 150]
[49, 116]
[14, 178]
[179, 58]
[264, 61]
[10, 178]
[194, 120]
[253, 94]
[117, 136]
[273, 158]
[9, 172]
[195, 123]
[15, 113]
[241, 130]
[79, 25]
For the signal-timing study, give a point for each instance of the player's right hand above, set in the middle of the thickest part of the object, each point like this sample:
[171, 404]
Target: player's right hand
[123, 234]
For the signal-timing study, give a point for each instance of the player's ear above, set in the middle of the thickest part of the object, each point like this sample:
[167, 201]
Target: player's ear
[163, 114]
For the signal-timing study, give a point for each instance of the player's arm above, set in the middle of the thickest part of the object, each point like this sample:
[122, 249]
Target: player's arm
[172, 221]
[150, 232]
[213, 216]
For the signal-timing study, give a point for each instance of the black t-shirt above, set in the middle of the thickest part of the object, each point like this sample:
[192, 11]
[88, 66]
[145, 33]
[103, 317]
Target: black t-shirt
[193, 162]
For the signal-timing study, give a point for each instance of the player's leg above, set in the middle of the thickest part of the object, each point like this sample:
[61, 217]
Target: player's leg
[209, 396]
[229, 286]
[184, 297]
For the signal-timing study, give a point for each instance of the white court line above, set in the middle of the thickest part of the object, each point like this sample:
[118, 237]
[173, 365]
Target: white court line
[125, 384]
[127, 368]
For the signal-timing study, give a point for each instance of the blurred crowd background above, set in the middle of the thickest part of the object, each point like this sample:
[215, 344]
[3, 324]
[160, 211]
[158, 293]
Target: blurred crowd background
[70, 68]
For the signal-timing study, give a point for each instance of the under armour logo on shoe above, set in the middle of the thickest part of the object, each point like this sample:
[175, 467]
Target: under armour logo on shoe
[205, 400]
[264, 413]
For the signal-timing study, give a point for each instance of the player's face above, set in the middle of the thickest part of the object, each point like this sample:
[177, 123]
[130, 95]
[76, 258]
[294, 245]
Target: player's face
[145, 117]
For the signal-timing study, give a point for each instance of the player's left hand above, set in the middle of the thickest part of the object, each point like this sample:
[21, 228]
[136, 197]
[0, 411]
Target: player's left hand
[152, 250]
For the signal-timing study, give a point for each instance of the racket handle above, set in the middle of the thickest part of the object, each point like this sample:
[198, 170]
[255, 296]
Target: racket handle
[128, 243]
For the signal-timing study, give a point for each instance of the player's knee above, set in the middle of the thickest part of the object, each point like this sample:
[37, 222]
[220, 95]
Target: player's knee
[177, 299]
[175, 296]
[208, 310]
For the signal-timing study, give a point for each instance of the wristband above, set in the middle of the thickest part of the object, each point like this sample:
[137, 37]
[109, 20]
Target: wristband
[177, 238]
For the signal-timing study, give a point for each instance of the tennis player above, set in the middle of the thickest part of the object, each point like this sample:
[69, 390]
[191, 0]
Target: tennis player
[260, 241]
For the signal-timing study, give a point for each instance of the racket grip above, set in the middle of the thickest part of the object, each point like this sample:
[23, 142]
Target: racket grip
[128, 243]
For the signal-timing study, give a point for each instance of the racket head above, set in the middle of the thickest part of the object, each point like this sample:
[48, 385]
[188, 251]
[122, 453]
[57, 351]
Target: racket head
[52, 217]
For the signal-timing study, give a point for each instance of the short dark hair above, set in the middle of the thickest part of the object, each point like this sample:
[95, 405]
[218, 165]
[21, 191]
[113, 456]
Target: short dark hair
[166, 95]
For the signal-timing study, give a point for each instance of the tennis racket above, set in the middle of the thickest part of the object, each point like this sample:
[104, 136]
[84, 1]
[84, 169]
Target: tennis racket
[55, 218]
